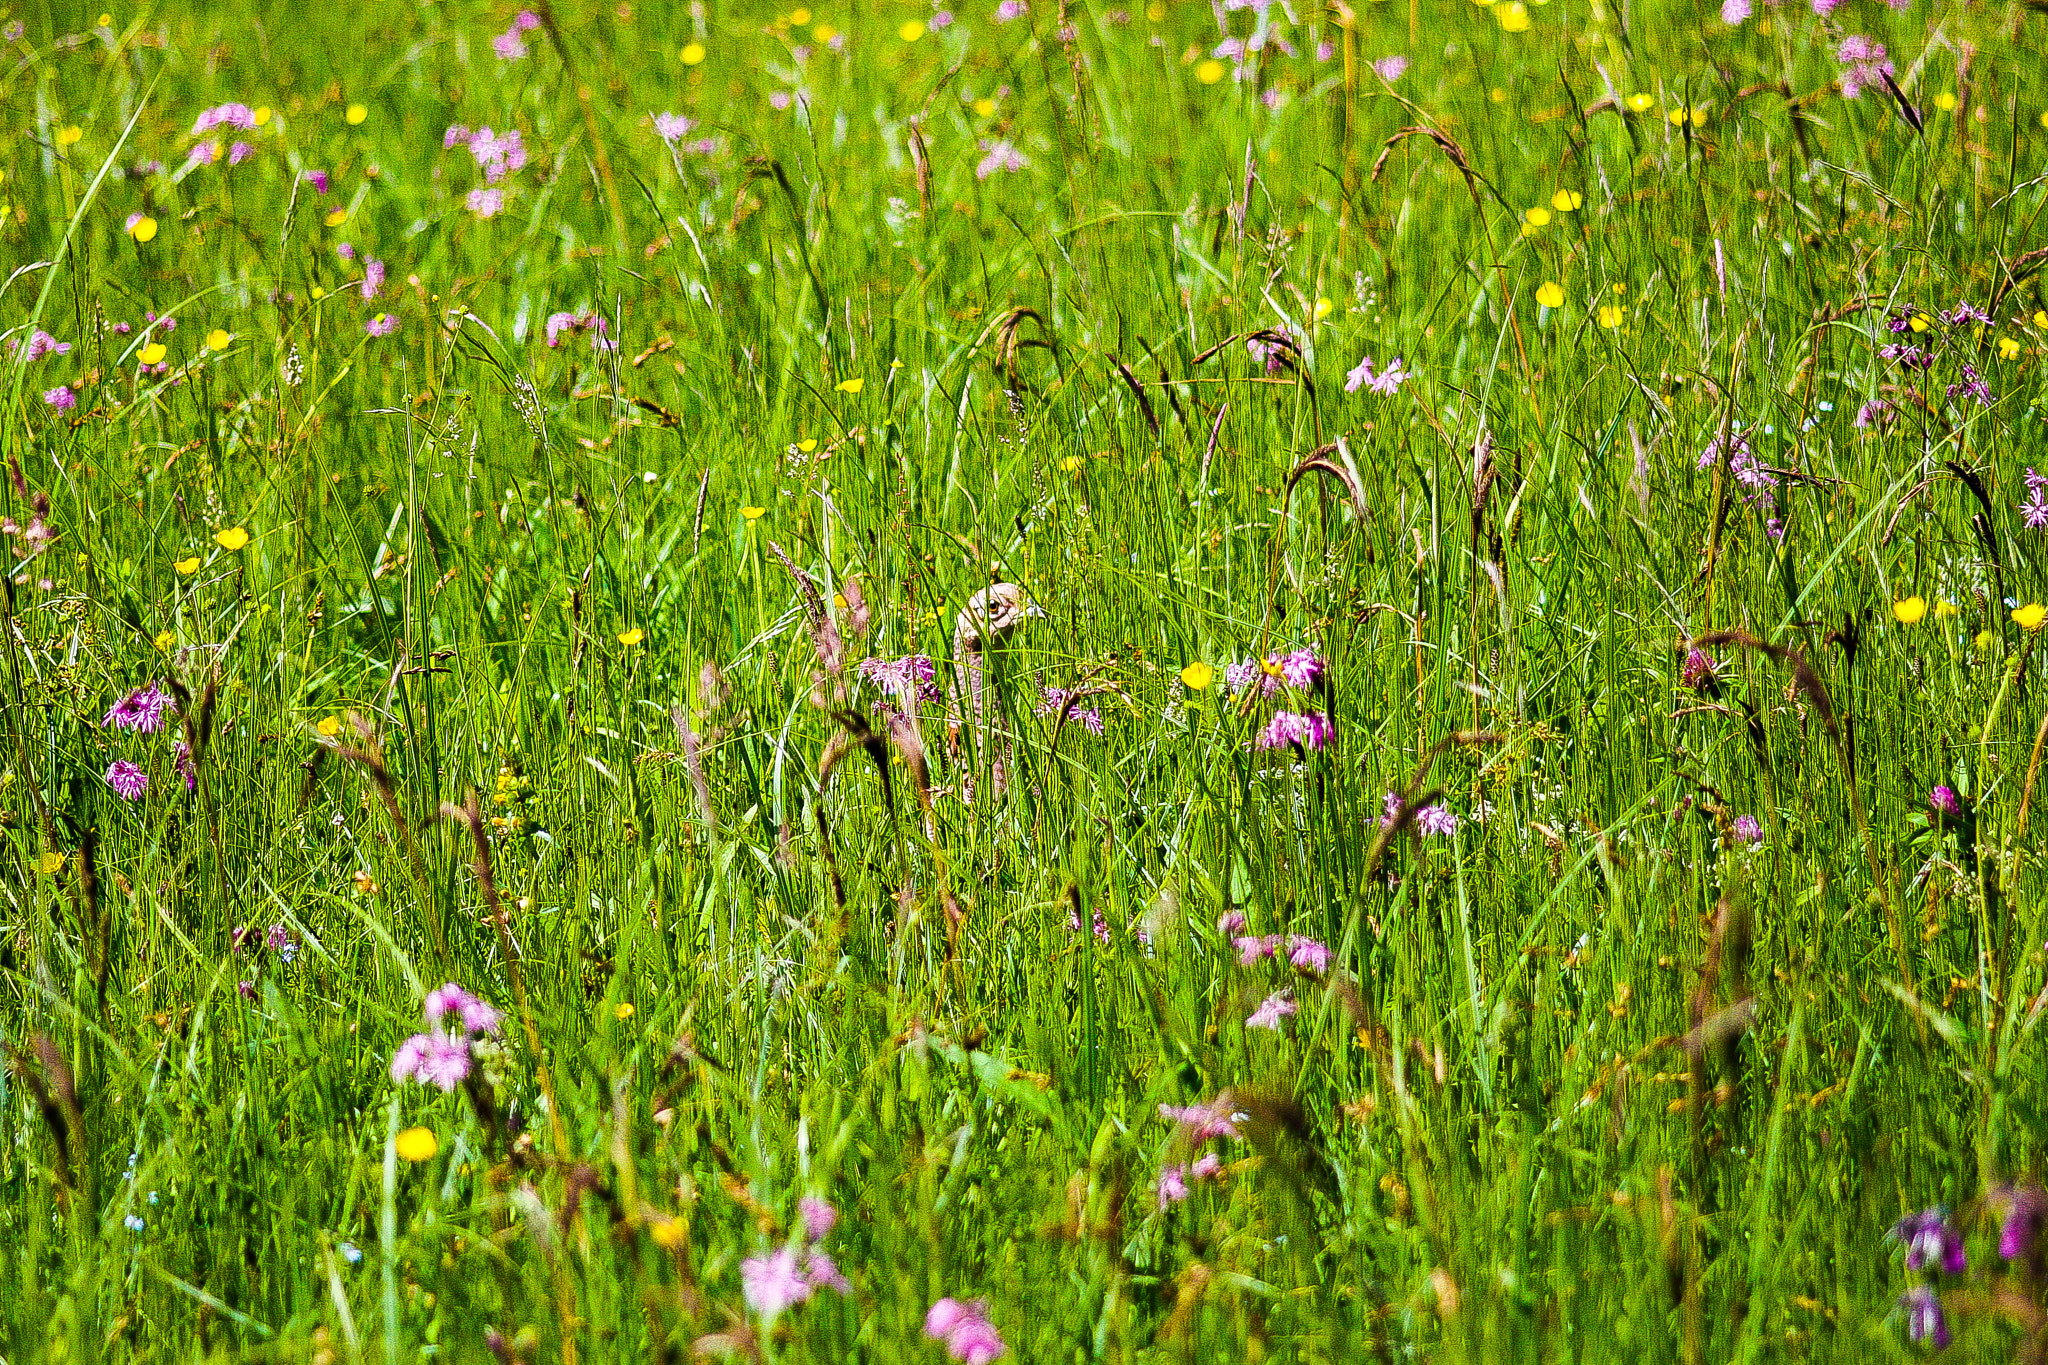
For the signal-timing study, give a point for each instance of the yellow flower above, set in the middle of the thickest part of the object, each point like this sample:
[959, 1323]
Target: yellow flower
[2008, 349]
[104, 21]
[1536, 217]
[1156, 12]
[50, 863]
[1945, 101]
[1550, 294]
[1920, 322]
[261, 115]
[329, 726]
[632, 637]
[64, 137]
[622, 1011]
[1944, 610]
[165, 642]
[824, 33]
[1611, 314]
[912, 30]
[1071, 463]
[1197, 676]
[142, 229]
[807, 444]
[1680, 114]
[319, 293]
[984, 106]
[854, 385]
[1323, 307]
[799, 16]
[1565, 201]
[335, 217]
[1909, 610]
[416, 1144]
[218, 339]
[187, 566]
[356, 113]
[666, 1232]
[1209, 72]
[234, 538]
[152, 354]
[2030, 616]
[1642, 104]
[2041, 317]
[753, 513]
[1513, 16]
[1986, 639]
[692, 53]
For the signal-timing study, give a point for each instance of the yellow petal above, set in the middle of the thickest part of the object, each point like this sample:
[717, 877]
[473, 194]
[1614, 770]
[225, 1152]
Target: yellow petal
[416, 1144]
[1550, 294]
[632, 637]
[808, 444]
[1909, 610]
[911, 31]
[1536, 217]
[753, 513]
[188, 565]
[1209, 72]
[144, 229]
[1565, 201]
[51, 862]
[692, 53]
[356, 113]
[234, 538]
[2030, 616]
[329, 726]
[153, 353]
[1197, 676]
[622, 1011]
[854, 385]
[218, 340]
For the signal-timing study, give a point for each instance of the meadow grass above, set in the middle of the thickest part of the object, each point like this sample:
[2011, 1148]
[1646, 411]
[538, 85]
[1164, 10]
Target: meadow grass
[516, 543]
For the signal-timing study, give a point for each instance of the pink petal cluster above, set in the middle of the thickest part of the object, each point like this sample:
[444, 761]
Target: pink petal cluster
[964, 1327]
[1299, 729]
[1275, 1007]
[441, 1056]
[1387, 382]
[1300, 669]
[586, 321]
[128, 781]
[141, 710]
[235, 115]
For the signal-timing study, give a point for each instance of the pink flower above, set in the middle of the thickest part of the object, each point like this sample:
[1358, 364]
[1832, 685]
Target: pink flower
[526, 21]
[773, 1283]
[1011, 10]
[1252, 949]
[819, 1217]
[1310, 955]
[1001, 156]
[1271, 1011]
[373, 278]
[383, 325]
[456, 134]
[1389, 69]
[1217, 1118]
[1298, 729]
[411, 1055]
[508, 45]
[239, 152]
[1733, 12]
[128, 781]
[141, 711]
[1173, 1185]
[966, 1331]
[1230, 922]
[486, 203]
[1387, 382]
[41, 343]
[446, 1063]
[671, 128]
[225, 115]
[1863, 64]
[61, 398]
[1207, 1167]
[821, 1272]
[317, 179]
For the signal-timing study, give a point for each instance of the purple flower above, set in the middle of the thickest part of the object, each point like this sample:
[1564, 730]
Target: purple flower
[497, 154]
[1945, 803]
[1430, 819]
[822, 1272]
[904, 678]
[1310, 955]
[1965, 312]
[224, 116]
[486, 203]
[1299, 729]
[1059, 701]
[1252, 948]
[141, 711]
[508, 45]
[181, 760]
[1389, 69]
[1010, 10]
[1173, 1185]
[1863, 64]
[819, 1217]
[278, 939]
[128, 781]
[383, 325]
[373, 278]
[1271, 1011]
[1930, 1241]
[61, 398]
[526, 21]
[672, 127]
[1878, 412]
[1972, 385]
[773, 1283]
[456, 134]
[1302, 668]
[318, 180]
[1387, 382]
[2034, 511]
[1216, 1118]
[1926, 1324]
[1733, 12]
[1698, 670]
[445, 1062]
[1747, 830]
[1912, 357]
[41, 343]
[964, 1327]
[1230, 922]
[411, 1055]
[1207, 1166]
[941, 19]
[2026, 1212]
[1000, 156]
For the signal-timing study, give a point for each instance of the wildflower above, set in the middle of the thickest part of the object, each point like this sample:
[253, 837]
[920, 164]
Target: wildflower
[497, 154]
[853, 385]
[1930, 1241]
[1747, 830]
[632, 637]
[964, 1327]
[1863, 64]
[41, 343]
[1010, 10]
[232, 539]
[140, 226]
[141, 710]
[1196, 677]
[1912, 357]
[1965, 312]
[1307, 954]
[1972, 385]
[1271, 1011]
[1945, 803]
[1302, 729]
[822, 1272]
[1230, 922]
[355, 114]
[1926, 1325]
[1733, 12]
[1389, 69]
[2034, 511]
[693, 54]
[133, 1222]
[2026, 1212]
[1301, 668]
[1907, 611]
[374, 273]
[1698, 670]
[485, 203]
[416, 1144]
[2030, 616]
[224, 116]
[904, 678]
[509, 46]
[1878, 412]
[1435, 819]
[1000, 155]
[475, 1014]
[819, 1217]
[181, 760]
[1550, 294]
[672, 127]
[1059, 701]
[1251, 948]
[1218, 1118]
[1612, 315]
[1173, 1185]
[61, 398]
[128, 781]
[1386, 382]
[773, 1283]
[383, 325]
